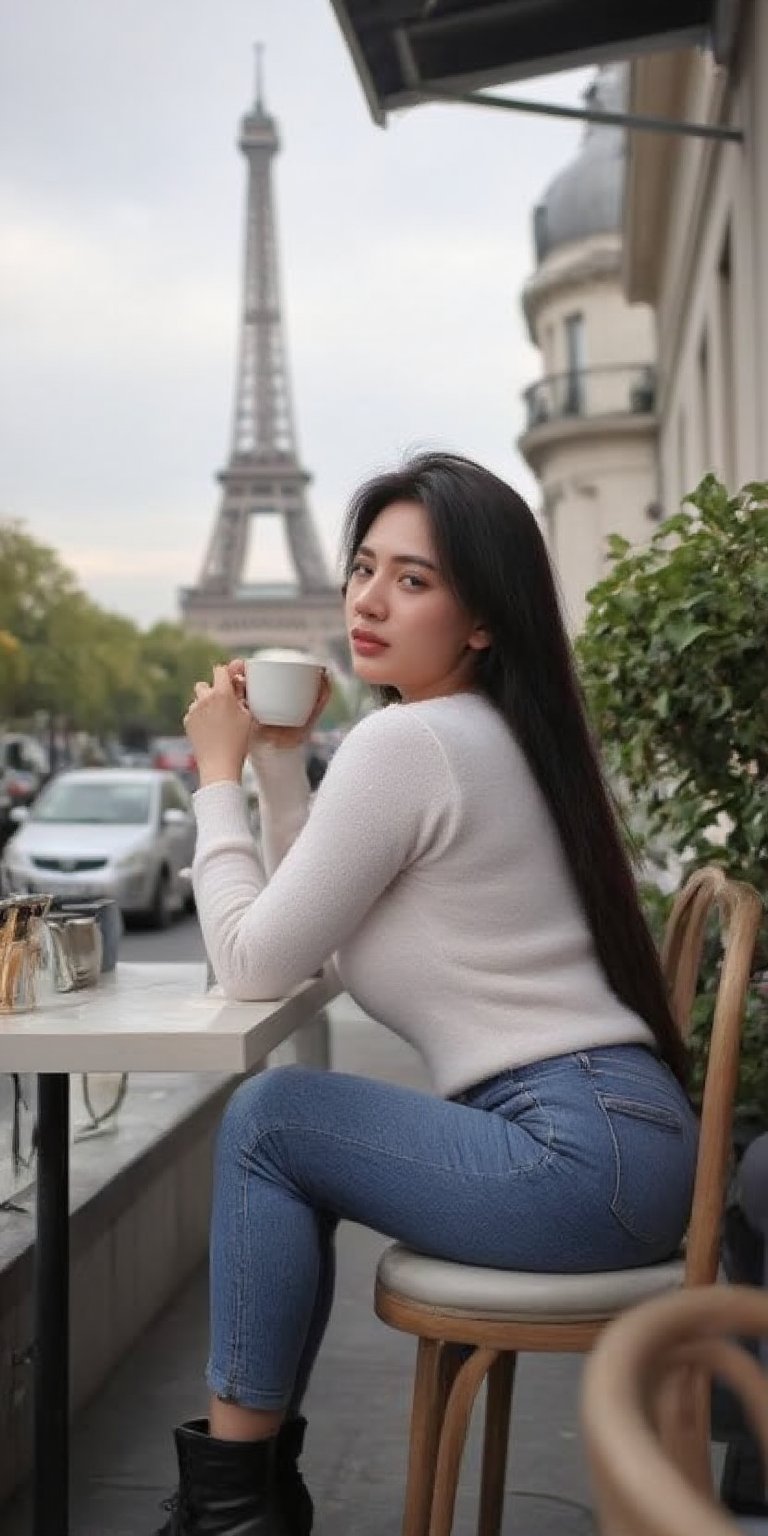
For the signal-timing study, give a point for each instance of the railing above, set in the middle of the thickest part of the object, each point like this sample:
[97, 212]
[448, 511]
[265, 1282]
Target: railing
[96, 1099]
[618, 390]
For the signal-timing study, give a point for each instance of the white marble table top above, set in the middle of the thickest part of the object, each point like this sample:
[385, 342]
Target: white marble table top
[155, 1018]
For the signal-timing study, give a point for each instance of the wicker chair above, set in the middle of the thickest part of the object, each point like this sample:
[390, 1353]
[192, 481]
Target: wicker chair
[500, 1313]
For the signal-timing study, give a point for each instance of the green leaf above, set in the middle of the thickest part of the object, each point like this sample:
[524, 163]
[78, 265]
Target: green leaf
[617, 546]
[690, 634]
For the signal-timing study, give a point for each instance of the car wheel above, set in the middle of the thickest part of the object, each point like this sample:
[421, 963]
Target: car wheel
[160, 912]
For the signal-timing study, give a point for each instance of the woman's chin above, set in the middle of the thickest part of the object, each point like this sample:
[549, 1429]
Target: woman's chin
[370, 670]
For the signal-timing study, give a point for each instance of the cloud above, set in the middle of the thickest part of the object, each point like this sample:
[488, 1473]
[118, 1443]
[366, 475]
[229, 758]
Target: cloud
[121, 207]
[100, 563]
[102, 290]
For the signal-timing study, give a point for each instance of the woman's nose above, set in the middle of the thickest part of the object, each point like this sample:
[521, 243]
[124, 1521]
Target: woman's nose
[371, 600]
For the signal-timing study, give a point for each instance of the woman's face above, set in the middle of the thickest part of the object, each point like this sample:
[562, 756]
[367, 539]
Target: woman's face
[406, 628]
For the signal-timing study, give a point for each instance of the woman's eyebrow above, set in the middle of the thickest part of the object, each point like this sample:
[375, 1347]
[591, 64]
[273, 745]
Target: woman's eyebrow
[429, 565]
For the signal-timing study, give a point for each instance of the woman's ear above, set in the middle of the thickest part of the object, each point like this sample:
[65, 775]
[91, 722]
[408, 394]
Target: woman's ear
[480, 639]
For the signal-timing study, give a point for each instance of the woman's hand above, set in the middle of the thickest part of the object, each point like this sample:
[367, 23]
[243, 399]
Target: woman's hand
[222, 729]
[284, 736]
[218, 725]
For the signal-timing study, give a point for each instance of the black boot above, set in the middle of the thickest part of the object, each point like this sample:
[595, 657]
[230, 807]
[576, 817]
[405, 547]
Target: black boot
[292, 1493]
[226, 1487]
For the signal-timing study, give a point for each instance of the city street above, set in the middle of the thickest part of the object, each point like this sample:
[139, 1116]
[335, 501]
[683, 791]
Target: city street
[182, 941]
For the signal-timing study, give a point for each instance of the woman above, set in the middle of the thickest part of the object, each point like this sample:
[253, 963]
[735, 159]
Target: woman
[462, 863]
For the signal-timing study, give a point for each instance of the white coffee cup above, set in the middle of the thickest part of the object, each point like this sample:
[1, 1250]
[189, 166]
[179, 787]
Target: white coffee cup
[281, 686]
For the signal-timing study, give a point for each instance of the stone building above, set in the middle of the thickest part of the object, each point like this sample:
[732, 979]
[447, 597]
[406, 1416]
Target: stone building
[696, 248]
[590, 430]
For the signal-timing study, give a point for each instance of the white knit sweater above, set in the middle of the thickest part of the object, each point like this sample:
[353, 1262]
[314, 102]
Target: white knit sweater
[429, 867]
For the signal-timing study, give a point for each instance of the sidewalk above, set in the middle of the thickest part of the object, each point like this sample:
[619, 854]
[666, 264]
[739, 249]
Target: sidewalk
[358, 1407]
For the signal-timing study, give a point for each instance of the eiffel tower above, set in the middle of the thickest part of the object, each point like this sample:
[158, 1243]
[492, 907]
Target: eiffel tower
[264, 476]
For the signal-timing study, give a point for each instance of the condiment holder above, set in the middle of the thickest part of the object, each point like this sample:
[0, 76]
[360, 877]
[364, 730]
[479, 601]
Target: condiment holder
[44, 953]
[22, 950]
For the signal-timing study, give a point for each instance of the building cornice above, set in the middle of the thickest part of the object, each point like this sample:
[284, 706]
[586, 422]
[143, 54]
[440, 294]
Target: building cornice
[538, 442]
[570, 266]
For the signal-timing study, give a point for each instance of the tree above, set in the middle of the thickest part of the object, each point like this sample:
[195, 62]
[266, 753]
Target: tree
[174, 661]
[674, 662]
[13, 670]
[34, 586]
[61, 654]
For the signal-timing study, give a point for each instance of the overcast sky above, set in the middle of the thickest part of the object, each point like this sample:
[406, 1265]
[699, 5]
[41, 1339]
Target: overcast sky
[121, 220]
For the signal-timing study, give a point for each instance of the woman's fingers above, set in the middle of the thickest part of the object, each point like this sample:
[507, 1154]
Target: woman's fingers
[236, 673]
[324, 694]
[232, 684]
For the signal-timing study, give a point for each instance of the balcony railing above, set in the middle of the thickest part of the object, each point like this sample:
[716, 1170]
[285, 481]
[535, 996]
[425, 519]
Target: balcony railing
[618, 390]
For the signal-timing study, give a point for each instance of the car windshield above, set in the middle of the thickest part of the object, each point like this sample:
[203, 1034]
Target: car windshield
[119, 804]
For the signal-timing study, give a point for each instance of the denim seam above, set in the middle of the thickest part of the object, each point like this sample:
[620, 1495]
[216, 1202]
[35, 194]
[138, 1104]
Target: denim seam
[617, 1184]
[229, 1387]
[656, 1114]
[649, 1080]
[607, 1081]
[641, 1237]
[627, 1074]
[347, 1141]
[240, 1285]
[548, 1153]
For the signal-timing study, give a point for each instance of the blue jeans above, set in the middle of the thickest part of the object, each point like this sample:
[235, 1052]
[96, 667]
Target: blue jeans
[583, 1162]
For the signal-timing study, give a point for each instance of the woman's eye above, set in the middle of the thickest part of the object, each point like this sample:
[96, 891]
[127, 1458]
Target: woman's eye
[415, 581]
[359, 569]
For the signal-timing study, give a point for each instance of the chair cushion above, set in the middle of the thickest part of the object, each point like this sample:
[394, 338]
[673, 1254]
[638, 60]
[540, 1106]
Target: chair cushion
[517, 1295]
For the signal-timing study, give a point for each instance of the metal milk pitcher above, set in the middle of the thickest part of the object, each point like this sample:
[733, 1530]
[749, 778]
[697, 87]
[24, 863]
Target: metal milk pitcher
[75, 947]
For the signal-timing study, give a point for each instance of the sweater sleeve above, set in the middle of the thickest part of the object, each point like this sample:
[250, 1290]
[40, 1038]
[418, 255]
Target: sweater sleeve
[283, 790]
[387, 800]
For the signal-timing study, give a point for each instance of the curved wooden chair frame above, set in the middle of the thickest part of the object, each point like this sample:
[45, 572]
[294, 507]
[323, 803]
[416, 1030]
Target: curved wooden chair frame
[640, 1381]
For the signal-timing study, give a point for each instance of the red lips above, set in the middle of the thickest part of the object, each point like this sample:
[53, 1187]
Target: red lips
[365, 637]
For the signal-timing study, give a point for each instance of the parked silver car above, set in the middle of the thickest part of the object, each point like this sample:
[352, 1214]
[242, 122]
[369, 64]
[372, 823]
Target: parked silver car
[120, 832]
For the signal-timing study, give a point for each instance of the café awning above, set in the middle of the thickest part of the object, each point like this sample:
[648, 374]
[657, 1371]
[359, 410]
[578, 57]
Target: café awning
[410, 51]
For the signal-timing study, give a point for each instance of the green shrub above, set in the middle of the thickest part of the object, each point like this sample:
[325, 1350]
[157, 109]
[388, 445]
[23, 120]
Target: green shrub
[674, 663]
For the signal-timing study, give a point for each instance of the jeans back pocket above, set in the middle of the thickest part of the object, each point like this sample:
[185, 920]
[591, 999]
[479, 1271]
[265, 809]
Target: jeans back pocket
[654, 1167]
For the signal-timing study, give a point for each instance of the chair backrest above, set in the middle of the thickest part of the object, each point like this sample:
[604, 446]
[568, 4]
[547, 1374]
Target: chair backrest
[648, 1477]
[739, 909]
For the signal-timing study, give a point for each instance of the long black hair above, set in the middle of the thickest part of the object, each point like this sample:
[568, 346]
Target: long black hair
[493, 557]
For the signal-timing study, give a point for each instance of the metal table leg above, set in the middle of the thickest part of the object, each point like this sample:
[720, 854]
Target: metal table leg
[51, 1310]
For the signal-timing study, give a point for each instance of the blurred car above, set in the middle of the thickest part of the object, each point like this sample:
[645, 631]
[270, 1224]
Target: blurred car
[132, 758]
[175, 754]
[23, 768]
[126, 833]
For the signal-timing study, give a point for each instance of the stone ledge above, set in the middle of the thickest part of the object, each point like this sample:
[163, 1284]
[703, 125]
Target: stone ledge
[161, 1116]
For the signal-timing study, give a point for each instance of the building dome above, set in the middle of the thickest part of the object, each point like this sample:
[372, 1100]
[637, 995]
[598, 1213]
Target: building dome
[585, 198]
